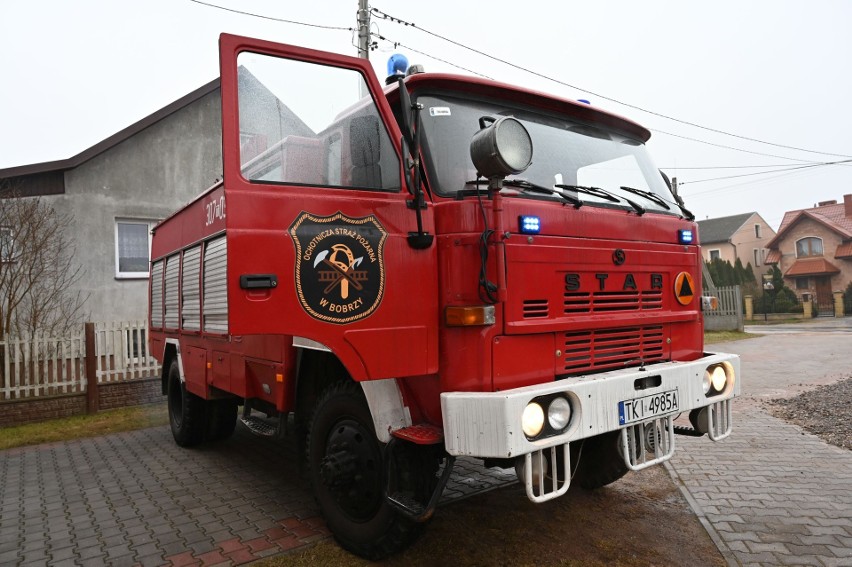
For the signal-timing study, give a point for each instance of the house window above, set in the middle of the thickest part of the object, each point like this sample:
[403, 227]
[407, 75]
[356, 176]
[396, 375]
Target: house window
[132, 248]
[715, 255]
[8, 247]
[810, 246]
[802, 283]
[757, 231]
[756, 254]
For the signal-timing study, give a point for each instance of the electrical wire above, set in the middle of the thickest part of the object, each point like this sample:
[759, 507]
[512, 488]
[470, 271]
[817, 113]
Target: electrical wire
[725, 166]
[398, 44]
[385, 16]
[723, 146]
[394, 19]
[319, 26]
[767, 172]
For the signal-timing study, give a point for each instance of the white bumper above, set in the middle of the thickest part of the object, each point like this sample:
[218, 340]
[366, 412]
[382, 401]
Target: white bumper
[488, 424]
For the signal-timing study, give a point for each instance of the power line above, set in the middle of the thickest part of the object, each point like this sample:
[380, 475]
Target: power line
[398, 44]
[394, 19]
[723, 146]
[306, 24]
[737, 185]
[725, 166]
[766, 172]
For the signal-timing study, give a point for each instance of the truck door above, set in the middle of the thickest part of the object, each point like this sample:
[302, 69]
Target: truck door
[317, 213]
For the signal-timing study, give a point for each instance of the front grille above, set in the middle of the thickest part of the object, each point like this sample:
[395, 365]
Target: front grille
[535, 308]
[608, 349]
[609, 301]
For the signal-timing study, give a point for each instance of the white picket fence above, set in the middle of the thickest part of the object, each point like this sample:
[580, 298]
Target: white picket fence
[122, 351]
[47, 366]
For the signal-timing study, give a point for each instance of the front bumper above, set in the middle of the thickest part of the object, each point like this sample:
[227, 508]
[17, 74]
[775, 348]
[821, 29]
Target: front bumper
[488, 424]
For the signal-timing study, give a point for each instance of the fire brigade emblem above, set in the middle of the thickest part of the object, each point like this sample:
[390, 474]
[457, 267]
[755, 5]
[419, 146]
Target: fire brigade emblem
[340, 271]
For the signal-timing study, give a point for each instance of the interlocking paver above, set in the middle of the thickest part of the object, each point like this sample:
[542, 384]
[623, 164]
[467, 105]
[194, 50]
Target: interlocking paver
[791, 491]
[772, 493]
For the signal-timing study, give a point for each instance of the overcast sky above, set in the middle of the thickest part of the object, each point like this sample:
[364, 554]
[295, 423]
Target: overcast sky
[73, 73]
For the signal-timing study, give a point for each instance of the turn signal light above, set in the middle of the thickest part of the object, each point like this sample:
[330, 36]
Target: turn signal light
[469, 316]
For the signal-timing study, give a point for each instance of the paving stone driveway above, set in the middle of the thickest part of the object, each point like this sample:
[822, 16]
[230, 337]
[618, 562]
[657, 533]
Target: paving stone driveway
[768, 495]
[772, 494]
[137, 499]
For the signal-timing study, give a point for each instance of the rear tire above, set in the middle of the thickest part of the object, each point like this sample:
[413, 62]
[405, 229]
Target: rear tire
[600, 461]
[221, 419]
[346, 468]
[187, 415]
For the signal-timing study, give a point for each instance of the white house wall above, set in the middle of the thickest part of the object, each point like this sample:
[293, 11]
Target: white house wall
[145, 177]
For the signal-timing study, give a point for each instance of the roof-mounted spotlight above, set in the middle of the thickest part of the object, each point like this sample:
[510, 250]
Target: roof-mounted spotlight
[501, 148]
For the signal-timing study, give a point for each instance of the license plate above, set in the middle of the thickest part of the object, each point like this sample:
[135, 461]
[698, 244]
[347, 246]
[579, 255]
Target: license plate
[647, 407]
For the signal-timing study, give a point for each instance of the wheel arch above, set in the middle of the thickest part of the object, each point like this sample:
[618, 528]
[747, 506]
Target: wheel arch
[170, 354]
[318, 368]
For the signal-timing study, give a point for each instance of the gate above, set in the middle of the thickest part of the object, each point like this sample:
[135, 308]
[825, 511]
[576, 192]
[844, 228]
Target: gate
[729, 315]
[824, 300]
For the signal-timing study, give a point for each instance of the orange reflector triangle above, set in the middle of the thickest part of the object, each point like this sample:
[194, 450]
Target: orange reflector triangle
[684, 288]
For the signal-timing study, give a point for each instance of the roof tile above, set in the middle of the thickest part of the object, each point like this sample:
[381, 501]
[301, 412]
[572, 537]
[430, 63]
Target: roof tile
[811, 267]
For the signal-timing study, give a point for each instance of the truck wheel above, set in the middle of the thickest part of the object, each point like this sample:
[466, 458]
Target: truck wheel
[186, 411]
[345, 467]
[600, 462]
[221, 419]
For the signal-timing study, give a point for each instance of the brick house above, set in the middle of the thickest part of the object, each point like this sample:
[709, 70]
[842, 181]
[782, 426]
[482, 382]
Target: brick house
[743, 236]
[813, 250]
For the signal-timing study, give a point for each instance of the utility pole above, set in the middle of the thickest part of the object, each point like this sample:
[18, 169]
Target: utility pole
[363, 19]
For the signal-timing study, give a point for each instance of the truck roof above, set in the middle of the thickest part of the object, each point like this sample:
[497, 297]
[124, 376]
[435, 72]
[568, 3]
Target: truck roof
[494, 89]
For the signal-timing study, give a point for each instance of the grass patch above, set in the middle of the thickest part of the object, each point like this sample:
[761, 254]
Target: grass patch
[711, 337]
[80, 426]
[760, 321]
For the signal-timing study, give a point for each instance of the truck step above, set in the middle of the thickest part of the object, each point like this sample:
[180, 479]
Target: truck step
[260, 426]
[407, 504]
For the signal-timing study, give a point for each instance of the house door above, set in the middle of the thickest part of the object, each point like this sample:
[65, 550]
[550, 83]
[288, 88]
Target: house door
[824, 297]
[317, 211]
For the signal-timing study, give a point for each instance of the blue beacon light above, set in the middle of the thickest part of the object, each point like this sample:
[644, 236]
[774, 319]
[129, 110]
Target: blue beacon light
[685, 236]
[529, 224]
[397, 65]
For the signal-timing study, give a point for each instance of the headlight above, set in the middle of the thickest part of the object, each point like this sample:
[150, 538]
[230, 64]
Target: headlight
[559, 413]
[717, 379]
[532, 420]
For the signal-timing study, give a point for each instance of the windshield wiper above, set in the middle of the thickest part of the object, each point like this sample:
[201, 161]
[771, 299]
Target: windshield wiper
[603, 194]
[648, 195]
[528, 186]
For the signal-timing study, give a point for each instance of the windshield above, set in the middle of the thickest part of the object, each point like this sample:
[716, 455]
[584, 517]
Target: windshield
[564, 152]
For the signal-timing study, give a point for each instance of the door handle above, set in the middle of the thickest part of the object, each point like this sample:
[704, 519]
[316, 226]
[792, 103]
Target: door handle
[258, 281]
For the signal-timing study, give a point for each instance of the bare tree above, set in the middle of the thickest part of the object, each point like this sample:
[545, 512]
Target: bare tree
[37, 268]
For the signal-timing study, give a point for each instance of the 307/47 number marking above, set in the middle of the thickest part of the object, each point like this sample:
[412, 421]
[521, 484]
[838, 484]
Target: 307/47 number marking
[640, 409]
[215, 210]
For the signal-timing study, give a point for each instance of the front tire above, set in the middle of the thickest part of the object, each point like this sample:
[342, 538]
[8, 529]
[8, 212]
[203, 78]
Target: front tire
[600, 461]
[346, 468]
[186, 411]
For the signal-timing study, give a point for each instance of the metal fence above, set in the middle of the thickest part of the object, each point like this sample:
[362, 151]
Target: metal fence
[46, 366]
[729, 315]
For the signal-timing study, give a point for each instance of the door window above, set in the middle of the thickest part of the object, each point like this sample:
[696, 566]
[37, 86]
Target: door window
[305, 123]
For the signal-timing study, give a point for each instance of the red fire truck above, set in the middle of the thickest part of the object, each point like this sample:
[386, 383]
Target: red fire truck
[435, 268]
